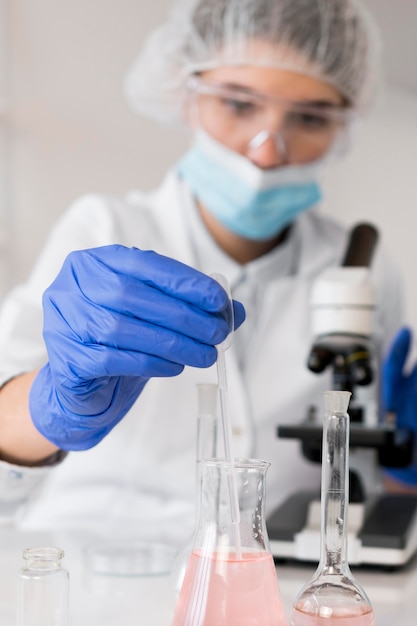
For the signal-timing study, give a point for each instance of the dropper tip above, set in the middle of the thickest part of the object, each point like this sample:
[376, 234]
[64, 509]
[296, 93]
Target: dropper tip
[336, 401]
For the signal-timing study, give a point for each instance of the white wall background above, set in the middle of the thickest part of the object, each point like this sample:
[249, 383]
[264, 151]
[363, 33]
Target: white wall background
[377, 181]
[61, 70]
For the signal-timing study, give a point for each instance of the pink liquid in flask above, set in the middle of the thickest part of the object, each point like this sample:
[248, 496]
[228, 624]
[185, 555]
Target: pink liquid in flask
[222, 590]
[335, 618]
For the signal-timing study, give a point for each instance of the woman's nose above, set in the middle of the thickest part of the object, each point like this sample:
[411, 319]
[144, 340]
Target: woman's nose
[267, 150]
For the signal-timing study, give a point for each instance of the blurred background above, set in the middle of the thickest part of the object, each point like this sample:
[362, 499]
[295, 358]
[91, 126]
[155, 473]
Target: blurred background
[65, 128]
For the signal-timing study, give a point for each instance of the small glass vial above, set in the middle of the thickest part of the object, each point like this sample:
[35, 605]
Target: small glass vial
[43, 589]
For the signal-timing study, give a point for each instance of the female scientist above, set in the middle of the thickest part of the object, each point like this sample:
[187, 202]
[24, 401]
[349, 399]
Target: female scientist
[268, 90]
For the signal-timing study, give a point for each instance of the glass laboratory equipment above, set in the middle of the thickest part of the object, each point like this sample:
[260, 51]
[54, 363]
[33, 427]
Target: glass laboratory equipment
[207, 434]
[224, 583]
[333, 597]
[43, 589]
[207, 431]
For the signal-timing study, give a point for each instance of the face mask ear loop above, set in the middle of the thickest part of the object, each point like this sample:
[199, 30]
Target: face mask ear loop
[191, 104]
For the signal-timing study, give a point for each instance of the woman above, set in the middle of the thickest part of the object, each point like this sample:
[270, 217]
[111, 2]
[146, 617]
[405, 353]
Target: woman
[268, 90]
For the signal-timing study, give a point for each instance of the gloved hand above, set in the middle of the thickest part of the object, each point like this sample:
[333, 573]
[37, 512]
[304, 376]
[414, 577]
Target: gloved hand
[399, 393]
[113, 318]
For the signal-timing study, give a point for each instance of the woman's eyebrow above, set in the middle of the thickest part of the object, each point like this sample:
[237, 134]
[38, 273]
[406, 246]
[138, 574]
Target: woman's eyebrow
[246, 90]
[239, 87]
[323, 104]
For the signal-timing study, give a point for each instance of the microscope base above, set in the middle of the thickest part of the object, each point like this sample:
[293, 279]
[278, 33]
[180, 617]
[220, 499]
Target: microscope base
[382, 531]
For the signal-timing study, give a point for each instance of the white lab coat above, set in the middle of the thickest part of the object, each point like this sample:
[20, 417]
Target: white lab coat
[141, 478]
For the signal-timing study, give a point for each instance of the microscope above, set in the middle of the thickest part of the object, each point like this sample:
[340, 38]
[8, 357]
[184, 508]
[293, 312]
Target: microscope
[382, 527]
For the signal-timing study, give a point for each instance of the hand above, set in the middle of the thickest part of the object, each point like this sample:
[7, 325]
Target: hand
[113, 318]
[399, 392]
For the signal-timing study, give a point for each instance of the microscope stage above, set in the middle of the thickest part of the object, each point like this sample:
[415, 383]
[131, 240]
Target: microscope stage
[381, 532]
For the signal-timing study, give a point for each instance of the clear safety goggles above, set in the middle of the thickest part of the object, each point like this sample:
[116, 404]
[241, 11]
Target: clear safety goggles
[243, 120]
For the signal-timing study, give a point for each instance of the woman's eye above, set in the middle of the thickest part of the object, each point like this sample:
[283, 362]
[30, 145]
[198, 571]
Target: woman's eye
[310, 121]
[239, 107]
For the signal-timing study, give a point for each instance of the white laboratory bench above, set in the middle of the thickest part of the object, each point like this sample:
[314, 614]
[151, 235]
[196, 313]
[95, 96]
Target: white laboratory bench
[100, 600]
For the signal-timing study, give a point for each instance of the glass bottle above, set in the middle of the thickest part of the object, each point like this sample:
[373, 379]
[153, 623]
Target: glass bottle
[333, 597]
[43, 589]
[224, 585]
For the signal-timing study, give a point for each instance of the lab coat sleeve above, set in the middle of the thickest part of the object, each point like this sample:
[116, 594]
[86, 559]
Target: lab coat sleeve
[87, 223]
[19, 484]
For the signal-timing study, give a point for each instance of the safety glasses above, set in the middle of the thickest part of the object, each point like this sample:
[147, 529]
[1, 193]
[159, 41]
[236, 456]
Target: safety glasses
[242, 119]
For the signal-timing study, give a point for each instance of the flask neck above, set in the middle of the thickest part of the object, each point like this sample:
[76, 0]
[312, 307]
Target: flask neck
[334, 494]
[216, 530]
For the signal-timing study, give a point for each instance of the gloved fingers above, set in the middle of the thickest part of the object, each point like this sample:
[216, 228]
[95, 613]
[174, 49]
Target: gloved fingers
[97, 321]
[392, 369]
[124, 267]
[101, 362]
[152, 352]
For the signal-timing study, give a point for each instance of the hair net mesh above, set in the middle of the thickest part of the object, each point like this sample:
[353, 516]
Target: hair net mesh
[335, 41]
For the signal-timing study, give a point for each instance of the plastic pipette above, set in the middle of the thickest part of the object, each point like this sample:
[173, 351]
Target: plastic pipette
[225, 415]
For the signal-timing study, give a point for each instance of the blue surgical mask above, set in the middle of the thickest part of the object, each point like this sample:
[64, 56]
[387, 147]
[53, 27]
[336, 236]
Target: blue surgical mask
[249, 201]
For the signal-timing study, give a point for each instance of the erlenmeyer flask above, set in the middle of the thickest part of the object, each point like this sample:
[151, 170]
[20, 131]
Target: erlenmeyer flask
[333, 596]
[223, 586]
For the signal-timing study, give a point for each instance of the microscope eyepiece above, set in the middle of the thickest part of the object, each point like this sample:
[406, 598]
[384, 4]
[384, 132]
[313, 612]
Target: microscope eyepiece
[319, 358]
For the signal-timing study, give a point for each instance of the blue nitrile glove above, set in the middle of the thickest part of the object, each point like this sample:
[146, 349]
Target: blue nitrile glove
[113, 318]
[399, 392]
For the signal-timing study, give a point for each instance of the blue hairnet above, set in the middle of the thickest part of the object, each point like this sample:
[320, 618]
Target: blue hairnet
[335, 41]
